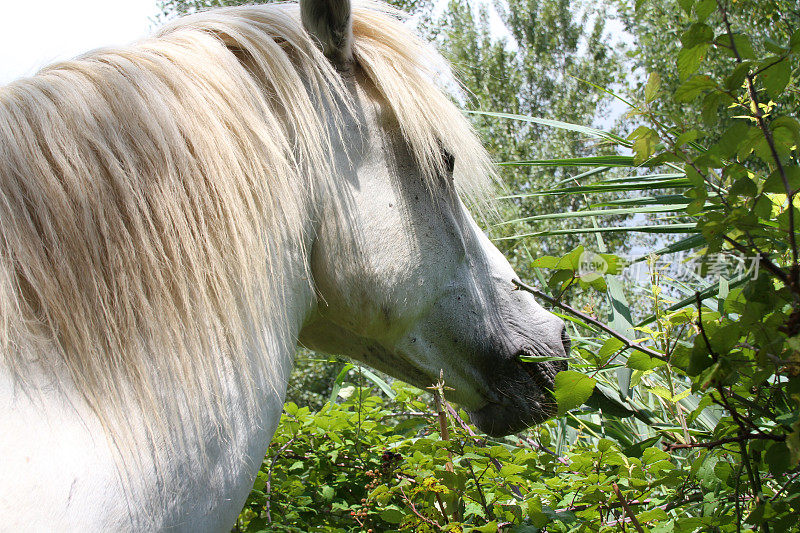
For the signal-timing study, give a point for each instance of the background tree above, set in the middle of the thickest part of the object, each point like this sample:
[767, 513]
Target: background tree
[535, 61]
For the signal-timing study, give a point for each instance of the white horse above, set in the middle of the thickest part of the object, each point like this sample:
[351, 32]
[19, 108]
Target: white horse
[176, 215]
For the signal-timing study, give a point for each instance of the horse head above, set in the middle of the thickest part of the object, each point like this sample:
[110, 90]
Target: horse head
[405, 279]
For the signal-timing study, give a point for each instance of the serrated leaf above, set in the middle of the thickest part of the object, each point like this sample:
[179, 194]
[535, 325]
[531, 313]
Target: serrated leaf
[572, 389]
[740, 41]
[392, 515]
[652, 87]
[609, 348]
[704, 8]
[687, 137]
[692, 88]
[696, 34]
[791, 124]
[689, 60]
[774, 183]
[776, 77]
[641, 361]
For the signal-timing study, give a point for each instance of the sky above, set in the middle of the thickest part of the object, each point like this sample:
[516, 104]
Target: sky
[34, 33]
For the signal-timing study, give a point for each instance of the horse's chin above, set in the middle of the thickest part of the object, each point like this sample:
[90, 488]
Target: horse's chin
[522, 400]
[501, 419]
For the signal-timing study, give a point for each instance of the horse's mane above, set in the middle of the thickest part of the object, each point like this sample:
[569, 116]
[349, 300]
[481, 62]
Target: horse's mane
[148, 193]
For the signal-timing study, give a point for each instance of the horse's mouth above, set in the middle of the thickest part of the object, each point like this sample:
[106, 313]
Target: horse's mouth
[524, 402]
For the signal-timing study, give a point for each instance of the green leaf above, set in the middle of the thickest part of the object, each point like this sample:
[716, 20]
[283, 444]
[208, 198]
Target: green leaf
[572, 389]
[728, 144]
[688, 137]
[775, 77]
[327, 492]
[693, 87]
[790, 124]
[591, 161]
[609, 401]
[377, 380]
[546, 261]
[774, 183]
[393, 515]
[697, 33]
[541, 358]
[686, 5]
[704, 8]
[689, 60]
[778, 458]
[641, 361]
[741, 42]
[609, 348]
[652, 87]
[643, 148]
[655, 228]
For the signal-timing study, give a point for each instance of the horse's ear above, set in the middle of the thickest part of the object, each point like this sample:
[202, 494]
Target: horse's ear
[330, 23]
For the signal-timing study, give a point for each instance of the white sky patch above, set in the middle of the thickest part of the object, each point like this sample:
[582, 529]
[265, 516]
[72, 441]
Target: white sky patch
[35, 34]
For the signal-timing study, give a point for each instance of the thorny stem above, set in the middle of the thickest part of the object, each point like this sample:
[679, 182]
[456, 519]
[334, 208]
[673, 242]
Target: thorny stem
[269, 477]
[627, 509]
[414, 510]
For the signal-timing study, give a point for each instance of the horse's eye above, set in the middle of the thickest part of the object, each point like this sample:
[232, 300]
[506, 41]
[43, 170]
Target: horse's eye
[449, 161]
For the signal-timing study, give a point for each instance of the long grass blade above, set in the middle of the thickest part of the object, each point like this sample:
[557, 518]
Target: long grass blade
[592, 132]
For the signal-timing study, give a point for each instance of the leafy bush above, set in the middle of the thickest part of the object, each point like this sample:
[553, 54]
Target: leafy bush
[680, 410]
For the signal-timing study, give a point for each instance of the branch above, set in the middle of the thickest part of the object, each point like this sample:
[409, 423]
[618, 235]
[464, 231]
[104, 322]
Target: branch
[269, 477]
[764, 260]
[586, 318]
[699, 301]
[714, 444]
[627, 509]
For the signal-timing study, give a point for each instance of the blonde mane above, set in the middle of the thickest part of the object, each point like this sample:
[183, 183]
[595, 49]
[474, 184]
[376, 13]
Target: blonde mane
[147, 193]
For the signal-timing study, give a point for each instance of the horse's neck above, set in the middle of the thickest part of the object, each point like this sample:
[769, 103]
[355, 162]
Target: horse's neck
[54, 449]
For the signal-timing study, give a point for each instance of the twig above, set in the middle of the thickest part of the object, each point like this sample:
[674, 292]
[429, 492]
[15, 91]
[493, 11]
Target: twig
[444, 431]
[785, 485]
[714, 444]
[533, 444]
[269, 477]
[699, 301]
[586, 318]
[627, 509]
[414, 510]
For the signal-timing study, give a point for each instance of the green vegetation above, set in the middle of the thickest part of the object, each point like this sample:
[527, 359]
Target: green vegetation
[680, 408]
